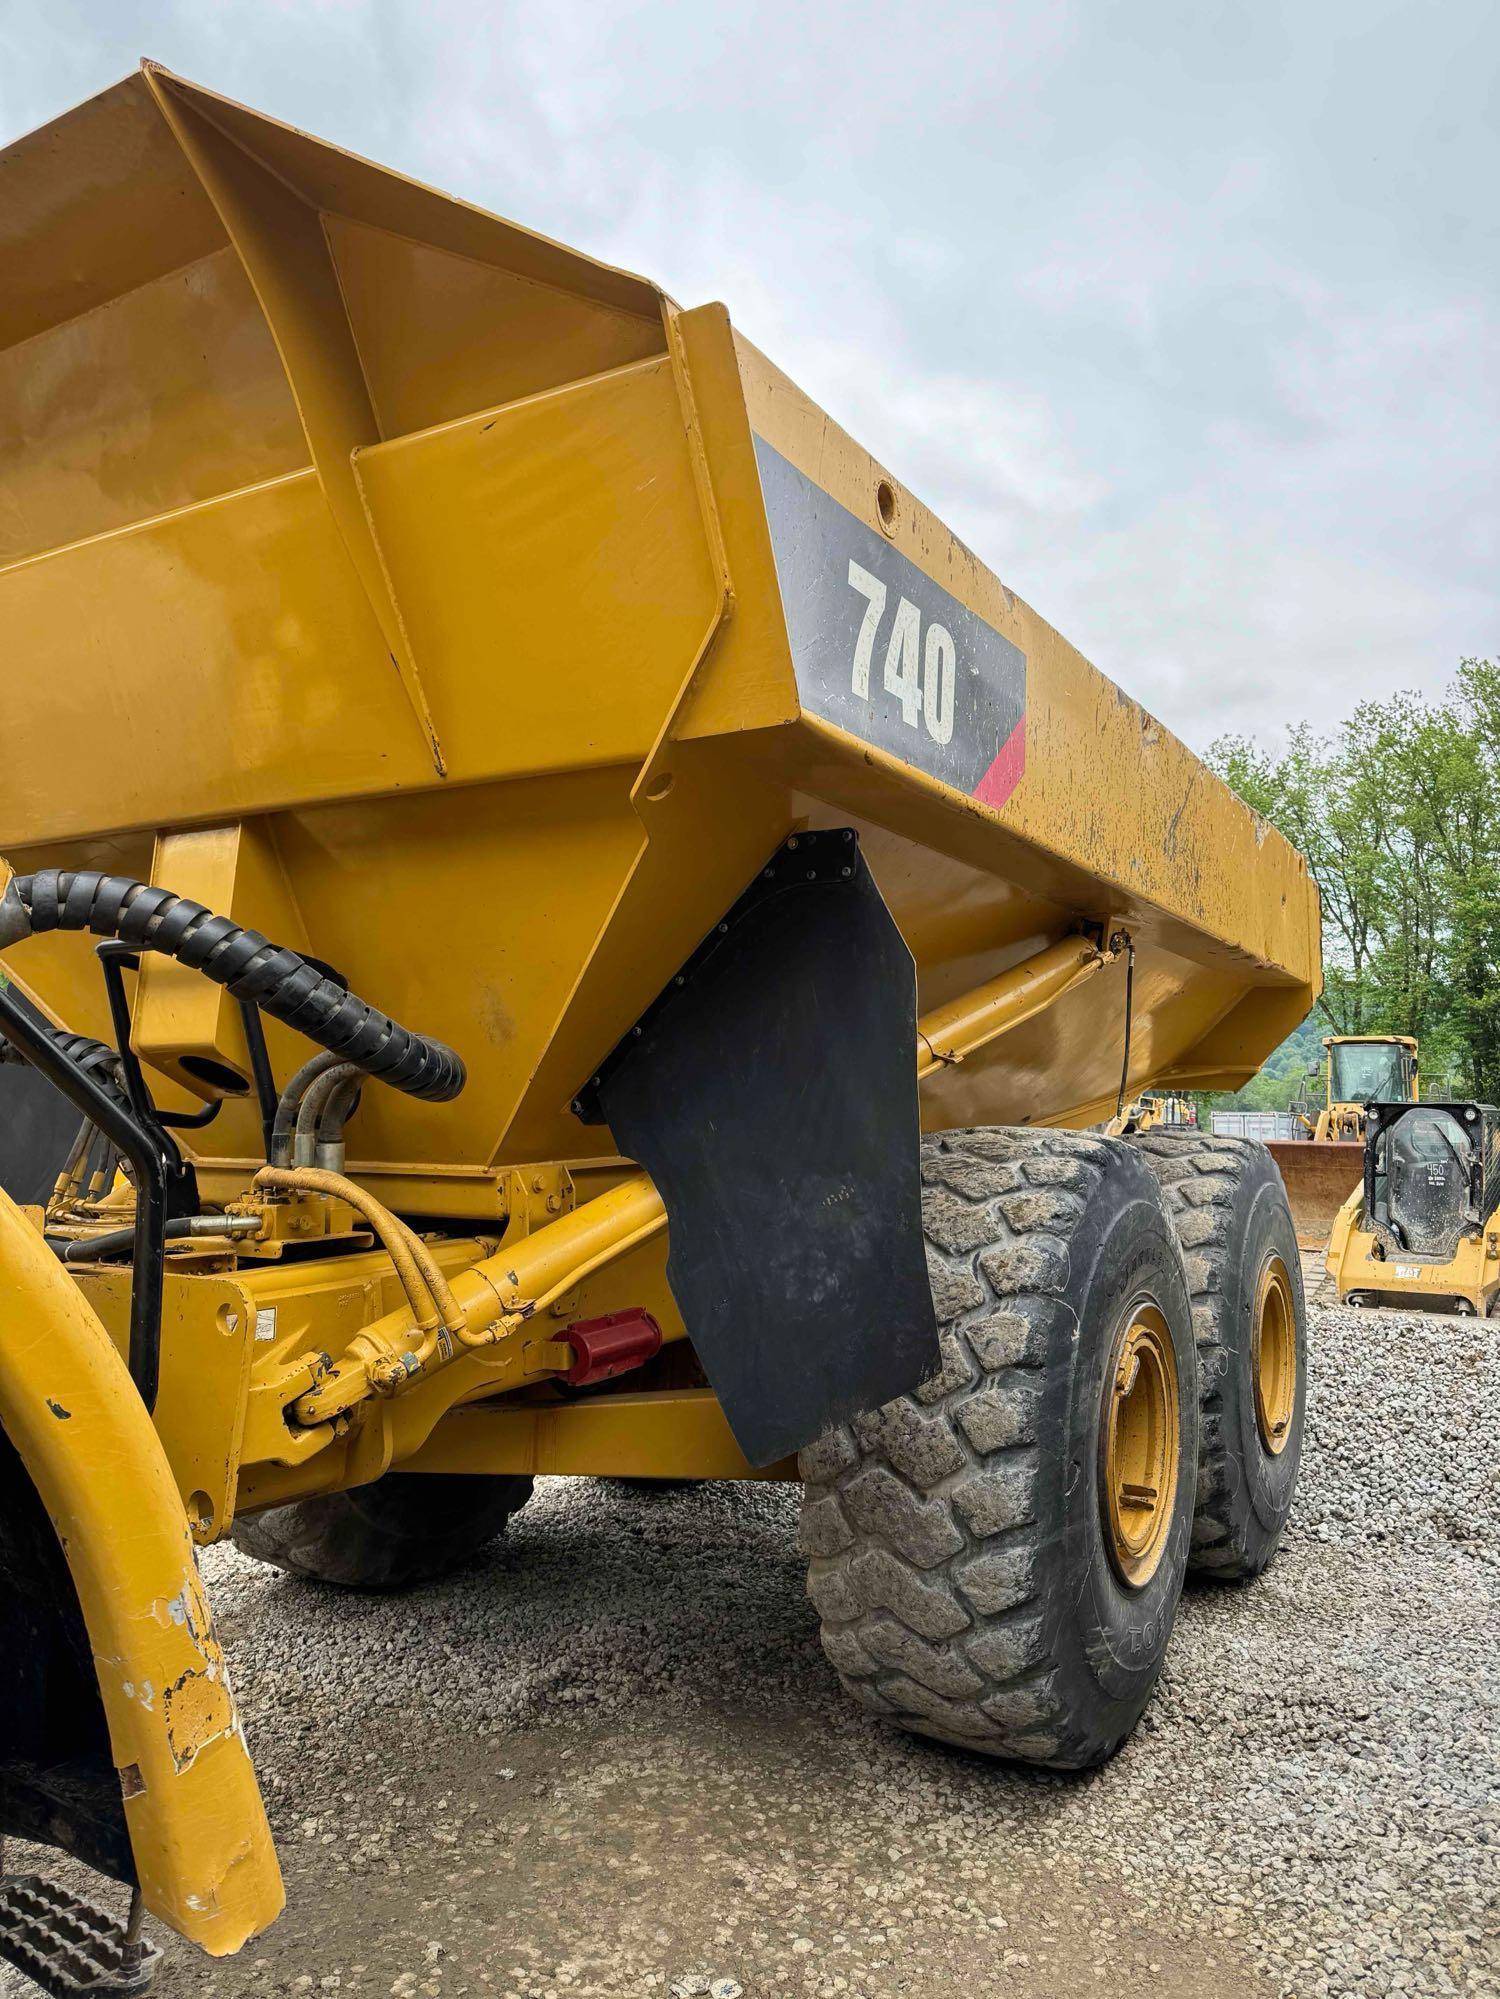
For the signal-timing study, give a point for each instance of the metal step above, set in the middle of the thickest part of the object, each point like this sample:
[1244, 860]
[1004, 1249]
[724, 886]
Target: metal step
[67, 1946]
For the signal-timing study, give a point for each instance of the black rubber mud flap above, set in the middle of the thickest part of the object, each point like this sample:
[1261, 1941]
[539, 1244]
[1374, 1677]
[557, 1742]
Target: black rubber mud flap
[771, 1093]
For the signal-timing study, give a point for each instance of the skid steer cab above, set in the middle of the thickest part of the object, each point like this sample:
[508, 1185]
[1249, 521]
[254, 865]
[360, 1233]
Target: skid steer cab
[1422, 1228]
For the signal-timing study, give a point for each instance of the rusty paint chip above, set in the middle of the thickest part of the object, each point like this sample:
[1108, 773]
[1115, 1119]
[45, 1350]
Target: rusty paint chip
[198, 1711]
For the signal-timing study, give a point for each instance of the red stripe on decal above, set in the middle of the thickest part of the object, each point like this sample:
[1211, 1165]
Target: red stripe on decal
[1005, 773]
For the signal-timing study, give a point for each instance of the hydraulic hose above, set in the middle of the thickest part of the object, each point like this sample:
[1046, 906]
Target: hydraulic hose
[279, 981]
[427, 1290]
[317, 1100]
[97, 1058]
[290, 1102]
[73, 1165]
[329, 1148]
[160, 1178]
[90, 1249]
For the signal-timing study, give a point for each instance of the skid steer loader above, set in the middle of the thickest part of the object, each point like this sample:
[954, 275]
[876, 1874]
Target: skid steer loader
[1422, 1228]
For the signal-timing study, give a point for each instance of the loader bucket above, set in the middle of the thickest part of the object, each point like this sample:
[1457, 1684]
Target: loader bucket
[1320, 1175]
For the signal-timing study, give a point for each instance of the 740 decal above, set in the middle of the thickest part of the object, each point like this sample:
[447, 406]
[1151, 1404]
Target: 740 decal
[883, 651]
[931, 693]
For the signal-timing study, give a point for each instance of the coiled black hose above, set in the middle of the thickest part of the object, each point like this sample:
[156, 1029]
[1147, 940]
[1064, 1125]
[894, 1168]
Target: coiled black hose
[97, 1057]
[279, 981]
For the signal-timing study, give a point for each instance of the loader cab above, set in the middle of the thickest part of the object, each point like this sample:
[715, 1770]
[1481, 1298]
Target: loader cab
[1364, 1068]
[1432, 1176]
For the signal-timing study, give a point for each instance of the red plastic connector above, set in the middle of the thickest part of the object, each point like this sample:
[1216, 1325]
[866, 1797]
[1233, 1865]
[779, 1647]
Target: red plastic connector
[603, 1348]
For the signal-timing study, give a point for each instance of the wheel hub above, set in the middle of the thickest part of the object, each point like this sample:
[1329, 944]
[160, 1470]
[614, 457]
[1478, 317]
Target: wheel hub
[1273, 1356]
[1142, 1446]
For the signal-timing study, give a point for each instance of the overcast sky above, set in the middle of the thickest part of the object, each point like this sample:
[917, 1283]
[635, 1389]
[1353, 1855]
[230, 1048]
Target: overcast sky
[1184, 316]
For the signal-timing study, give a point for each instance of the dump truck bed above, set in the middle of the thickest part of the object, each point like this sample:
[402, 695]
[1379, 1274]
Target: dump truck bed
[429, 646]
[425, 594]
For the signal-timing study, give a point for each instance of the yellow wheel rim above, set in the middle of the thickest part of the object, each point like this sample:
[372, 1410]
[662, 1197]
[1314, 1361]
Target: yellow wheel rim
[1273, 1356]
[1142, 1446]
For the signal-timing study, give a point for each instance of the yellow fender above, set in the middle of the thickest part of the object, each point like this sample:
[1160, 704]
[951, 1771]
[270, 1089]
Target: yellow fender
[203, 1850]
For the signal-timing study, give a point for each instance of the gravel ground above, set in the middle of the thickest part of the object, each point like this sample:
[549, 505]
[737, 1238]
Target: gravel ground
[610, 1760]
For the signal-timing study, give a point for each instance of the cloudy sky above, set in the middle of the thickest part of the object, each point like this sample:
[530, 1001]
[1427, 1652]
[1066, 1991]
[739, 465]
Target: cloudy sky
[1186, 316]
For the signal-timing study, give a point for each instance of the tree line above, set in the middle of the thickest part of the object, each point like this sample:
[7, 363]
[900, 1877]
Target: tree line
[1398, 813]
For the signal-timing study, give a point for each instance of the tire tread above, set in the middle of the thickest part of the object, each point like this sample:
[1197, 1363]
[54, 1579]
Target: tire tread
[920, 1521]
[405, 1530]
[1200, 1175]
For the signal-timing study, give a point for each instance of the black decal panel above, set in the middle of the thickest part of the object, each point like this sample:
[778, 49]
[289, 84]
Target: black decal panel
[883, 651]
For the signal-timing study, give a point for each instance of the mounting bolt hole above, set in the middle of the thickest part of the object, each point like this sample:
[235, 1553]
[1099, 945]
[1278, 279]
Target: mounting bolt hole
[659, 786]
[885, 505]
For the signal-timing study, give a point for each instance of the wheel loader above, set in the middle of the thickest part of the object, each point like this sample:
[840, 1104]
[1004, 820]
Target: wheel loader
[1319, 1166]
[580, 932]
[1422, 1228]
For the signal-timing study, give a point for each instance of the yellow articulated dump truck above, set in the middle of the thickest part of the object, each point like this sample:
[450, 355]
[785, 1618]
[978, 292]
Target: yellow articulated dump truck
[1151, 1112]
[1322, 1166]
[578, 929]
[1423, 1225]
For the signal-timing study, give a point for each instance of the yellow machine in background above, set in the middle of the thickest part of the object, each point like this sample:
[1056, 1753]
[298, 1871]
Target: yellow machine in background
[515, 826]
[1423, 1225]
[1320, 1168]
[1150, 1112]
[1360, 1068]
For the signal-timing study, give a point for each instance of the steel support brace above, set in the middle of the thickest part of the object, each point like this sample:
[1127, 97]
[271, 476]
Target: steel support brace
[663, 1433]
[952, 1031]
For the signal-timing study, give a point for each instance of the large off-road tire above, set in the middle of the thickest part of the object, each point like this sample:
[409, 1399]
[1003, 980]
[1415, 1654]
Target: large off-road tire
[1229, 1207]
[962, 1558]
[402, 1530]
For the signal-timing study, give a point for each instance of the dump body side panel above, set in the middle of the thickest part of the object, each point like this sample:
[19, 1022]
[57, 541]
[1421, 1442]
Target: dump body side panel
[1106, 789]
[404, 582]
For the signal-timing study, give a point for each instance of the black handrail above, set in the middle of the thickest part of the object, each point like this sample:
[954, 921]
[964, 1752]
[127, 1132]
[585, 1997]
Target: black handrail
[163, 1185]
[115, 958]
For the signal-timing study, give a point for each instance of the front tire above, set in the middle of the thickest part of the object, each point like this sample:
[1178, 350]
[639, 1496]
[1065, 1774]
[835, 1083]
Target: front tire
[973, 1579]
[406, 1528]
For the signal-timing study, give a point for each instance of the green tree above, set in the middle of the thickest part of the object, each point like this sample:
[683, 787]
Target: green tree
[1398, 813]
[1453, 767]
[1311, 795]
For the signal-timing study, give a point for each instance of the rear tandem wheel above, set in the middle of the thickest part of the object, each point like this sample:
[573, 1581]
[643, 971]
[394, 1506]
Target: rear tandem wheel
[1228, 1204]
